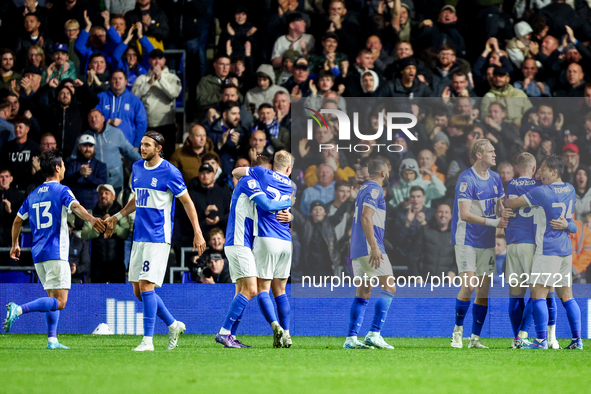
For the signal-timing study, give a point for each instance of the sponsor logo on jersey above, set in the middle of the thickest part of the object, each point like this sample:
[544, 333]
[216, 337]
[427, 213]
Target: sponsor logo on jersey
[496, 190]
[154, 182]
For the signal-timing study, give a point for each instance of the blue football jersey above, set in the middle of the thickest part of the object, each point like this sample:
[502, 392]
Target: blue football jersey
[372, 195]
[277, 187]
[483, 195]
[521, 225]
[47, 209]
[242, 217]
[555, 200]
[155, 189]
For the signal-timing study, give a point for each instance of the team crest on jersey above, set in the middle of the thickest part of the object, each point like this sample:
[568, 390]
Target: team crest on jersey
[375, 193]
[463, 186]
[154, 182]
[252, 184]
[126, 106]
[496, 190]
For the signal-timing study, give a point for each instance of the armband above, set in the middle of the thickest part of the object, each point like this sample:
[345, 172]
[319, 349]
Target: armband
[118, 216]
[492, 222]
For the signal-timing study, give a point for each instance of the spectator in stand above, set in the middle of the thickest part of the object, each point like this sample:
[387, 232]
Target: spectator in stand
[32, 36]
[507, 173]
[409, 177]
[119, 24]
[409, 221]
[237, 33]
[381, 58]
[123, 109]
[7, 60]
[323, 191]
[153, 19]
[265, 90]
[107, 254]
[77, 10]
[209, 89]
[62, 67]
[30, 84]
[446, 65]
[10, 202]
[576, 82]
[85, 173]
[530, 85]
[129, 58]
[217, 270]
[582, 186]
[282, 107]
[326, 82]
[110, 145]
[94, 39]
[79, 256]
[406, 84]
[230, 92]
[459, 86]
[434, 35]
[296, 39]
[259, 146]
[17, 155]
[299, 83]
[403, 50]
[329, 60]
[426, 160]
[521, 46]
[188, 158]
[34, 8]
[340, 22]
[119, 7]
[36, 58]
[6, 127]
[514, 100]
[212, 202]
[98, 75]
[491, 57]
[436, 252]
[570, 154]
[352, 75]
[279, 137]
[47, 143]
[227, 135]
[158, 90]
[342, 195]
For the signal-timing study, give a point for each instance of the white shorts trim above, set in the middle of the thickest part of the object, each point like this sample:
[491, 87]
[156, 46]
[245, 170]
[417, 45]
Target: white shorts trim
[551, 271]
[241, 262]
[54, 274]
[272, 257]
[518, 263]
[148, 262]
[477, 260]
[361, 266]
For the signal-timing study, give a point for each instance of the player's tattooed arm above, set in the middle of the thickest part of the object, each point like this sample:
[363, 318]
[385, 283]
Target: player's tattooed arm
[17, 225]
[111, 222]
[97, 223]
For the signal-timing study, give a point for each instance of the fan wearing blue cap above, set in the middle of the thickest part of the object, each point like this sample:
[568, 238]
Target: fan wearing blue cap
[62, 67]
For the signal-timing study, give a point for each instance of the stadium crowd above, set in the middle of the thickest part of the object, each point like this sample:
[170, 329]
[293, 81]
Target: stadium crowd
[90, 77]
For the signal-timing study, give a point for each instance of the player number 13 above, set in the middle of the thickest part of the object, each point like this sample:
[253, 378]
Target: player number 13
[46, 214]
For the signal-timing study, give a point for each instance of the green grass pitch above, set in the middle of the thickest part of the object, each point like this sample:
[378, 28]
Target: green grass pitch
[106, 364]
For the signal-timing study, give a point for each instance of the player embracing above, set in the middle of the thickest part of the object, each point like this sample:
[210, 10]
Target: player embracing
[552, 264]
[370, 259]
[156, 183]
[476, 207]
[242, 221]
[46, 208]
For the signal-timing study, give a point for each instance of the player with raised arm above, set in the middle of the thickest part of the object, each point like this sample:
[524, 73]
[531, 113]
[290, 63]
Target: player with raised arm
[272, 245]
[520, 234]
[46, 208]
[477, 202]
[155, 185]
[242, 221]
[370, 259]
[552, 264]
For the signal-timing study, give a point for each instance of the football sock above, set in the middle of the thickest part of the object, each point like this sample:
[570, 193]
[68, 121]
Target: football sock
[479, 316]
[528, 316]
[236, 309]
[163, 312]
[45, 304]
[574, 317]
[234, 329]
[516, 307]
[461, 309]
[381, 310]
[356, 315]
[52, 318]
[283, 310]
[266, 306]
[540, 313]
[552, 308]
[150, 309]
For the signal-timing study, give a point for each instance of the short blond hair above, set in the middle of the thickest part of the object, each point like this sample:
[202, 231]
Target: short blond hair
[525, 160]
[72, 23]
[283, 159]
[478, 147]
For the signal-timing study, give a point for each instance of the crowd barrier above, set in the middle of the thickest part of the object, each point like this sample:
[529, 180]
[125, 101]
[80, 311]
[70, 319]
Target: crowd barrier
[203, 308]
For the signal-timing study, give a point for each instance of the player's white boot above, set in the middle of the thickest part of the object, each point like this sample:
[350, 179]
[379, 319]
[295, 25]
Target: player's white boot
[286, 340]
[475, 343]
[377, 341]
[145, 346]
[277, 334]
[456, 337]
[178, 327]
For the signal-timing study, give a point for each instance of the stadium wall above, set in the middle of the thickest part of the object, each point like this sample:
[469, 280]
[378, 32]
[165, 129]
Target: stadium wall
[203, 307]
